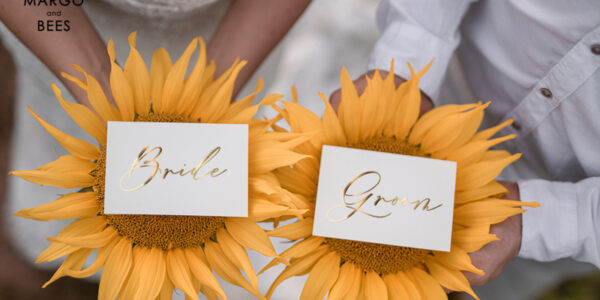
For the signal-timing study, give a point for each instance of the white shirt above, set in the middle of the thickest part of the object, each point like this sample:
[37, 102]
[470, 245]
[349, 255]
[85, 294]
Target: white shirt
[539, 63]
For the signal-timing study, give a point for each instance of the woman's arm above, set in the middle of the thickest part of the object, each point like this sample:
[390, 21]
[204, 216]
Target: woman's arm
[58, 50]
[251, 29]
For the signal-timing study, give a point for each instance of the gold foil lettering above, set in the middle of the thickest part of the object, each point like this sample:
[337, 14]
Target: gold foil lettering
[358, 205]
[140, 163]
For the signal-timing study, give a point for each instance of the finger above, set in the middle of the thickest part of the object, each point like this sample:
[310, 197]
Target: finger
[426, 103]
[335, 99]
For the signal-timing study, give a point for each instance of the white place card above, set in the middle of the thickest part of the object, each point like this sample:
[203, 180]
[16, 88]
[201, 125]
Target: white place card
[192, 169]
[385, 198]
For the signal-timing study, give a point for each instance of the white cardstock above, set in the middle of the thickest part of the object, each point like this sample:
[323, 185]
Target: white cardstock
[385, 198]
[192, 169]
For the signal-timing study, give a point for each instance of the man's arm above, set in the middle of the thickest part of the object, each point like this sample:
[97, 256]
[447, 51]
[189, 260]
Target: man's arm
[251, 29]
[58, 50]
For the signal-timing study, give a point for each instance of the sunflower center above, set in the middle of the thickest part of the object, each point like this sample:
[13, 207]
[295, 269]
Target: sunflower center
[157, 231]
[383, 259]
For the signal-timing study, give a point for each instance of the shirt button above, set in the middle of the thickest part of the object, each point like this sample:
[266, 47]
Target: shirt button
[546, 92]
[516, 125]
[596, 49]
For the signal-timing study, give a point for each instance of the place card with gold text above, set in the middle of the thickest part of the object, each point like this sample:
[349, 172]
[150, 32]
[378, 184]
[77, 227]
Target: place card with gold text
[385, 198]
[193, 169]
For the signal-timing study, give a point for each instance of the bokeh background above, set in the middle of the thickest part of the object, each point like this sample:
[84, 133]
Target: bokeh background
[330, 34]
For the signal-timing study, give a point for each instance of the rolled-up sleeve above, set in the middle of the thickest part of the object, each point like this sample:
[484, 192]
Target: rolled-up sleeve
[418, 31]
[566, 225]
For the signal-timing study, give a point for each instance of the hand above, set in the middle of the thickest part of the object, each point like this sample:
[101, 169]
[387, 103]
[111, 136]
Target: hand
[493, 257]
[361, 84]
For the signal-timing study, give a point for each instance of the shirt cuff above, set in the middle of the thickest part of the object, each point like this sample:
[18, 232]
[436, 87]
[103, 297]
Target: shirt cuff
[549, 231]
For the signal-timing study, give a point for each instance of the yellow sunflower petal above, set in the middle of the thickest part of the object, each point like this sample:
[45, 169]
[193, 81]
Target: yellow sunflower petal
[348, 112]
[488, 133]
[192, 87]
[179, 272]
[99, 102]
[198, 265]
[56, 178]
[266, 160]
[301, 119]
[246, 115]
[120, 88]
[492, 189]
[299, 249]
[495, 155]
[408, 109]
[467, 131]
[451, 279]
[250, 235]
[473, 238]
[116, 269]
[166, 292]
[131, 283]
[81, 227]
[490, 211]
[74, 205]
[139, 80]
[479, 174]
[372, 107]
[77, 81]
[450, 129]
[395, 288]
[210, 89]
[322, 277]
[226, 269]
[210, 294]
[94, 240]
[218, 105]
[296, 182]
[75, 260]
[433, 117]
[101, 257]
[77, 147]
[243, 105]
[410, 286]
[237, 255]
[161, 65]
[294, 231]
[429, 288]
[333, 133]
[301, 266]
[261, 209]
[83, 116]
[375, 288]
[174, 80]
[152, 274]
[348, 278]
[347, 284]
[68, 163]
[474, 151]
[457, 259]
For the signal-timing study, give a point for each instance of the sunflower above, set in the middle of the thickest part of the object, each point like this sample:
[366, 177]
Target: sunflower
[146, 256]
[385, 118]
